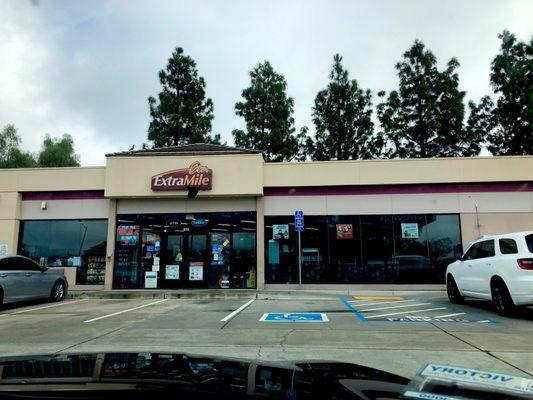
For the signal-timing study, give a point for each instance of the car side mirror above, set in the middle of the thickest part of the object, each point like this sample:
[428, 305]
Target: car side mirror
[44, 269]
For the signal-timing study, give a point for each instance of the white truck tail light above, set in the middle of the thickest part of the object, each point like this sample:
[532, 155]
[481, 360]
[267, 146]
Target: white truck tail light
[525, 263]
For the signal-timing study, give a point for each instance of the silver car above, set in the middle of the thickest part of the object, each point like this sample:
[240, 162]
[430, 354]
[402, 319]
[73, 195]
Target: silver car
[23, 279]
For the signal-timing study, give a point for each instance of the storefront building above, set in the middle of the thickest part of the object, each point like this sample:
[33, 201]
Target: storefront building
[208, 216]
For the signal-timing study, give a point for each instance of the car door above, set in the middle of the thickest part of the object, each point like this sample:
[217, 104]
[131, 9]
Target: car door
[35, 281]
[465, 277]
[11, 279]
[481, 268]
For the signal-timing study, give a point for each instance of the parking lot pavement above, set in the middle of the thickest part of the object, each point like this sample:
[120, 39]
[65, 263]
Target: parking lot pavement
[394, 333]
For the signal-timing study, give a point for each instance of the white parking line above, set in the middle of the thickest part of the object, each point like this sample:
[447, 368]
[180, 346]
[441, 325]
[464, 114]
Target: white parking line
[125, 311]
[405, 312]
[238, 310]
[402, 306]
[380, 302]
[64, 303]
[449, 315]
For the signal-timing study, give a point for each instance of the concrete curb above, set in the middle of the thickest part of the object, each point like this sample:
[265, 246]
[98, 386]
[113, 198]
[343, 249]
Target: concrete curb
[238, 294]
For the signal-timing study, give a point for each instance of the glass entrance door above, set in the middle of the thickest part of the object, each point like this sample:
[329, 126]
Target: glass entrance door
[184, 263]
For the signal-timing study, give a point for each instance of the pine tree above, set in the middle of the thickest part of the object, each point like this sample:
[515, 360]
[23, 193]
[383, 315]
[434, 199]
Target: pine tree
[267, 111]
[342, 115]
[182, 114]
[424, 117]
[511, 120]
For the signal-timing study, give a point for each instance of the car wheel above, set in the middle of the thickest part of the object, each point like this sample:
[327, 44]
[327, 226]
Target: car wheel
[58, 291]
[454, 295]
[501, 299]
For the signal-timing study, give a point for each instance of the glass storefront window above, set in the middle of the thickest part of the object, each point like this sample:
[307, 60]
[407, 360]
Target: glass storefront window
[344, 237]
[444, 242]
[196, 250]
[280, 247]
[377, 249]
[315, 250]
[78, 244]
[244, 272]
[126, 252]
[411, 253]
[355, 249]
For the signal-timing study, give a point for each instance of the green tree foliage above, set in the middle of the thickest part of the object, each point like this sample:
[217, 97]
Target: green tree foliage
[424, 118]
[10, 154]
[343, 119]
[511, 119]
[480, 121]
[268, 111]
[182, 114]
[58, 152]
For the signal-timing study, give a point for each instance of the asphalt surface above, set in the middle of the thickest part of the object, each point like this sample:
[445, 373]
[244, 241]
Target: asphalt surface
[398, 334]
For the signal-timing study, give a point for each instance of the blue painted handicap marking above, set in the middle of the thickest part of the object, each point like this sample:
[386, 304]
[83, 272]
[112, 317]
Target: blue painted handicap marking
[412, 310]
[294, 317]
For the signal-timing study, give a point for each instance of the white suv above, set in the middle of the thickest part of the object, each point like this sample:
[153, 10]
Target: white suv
[497, 268]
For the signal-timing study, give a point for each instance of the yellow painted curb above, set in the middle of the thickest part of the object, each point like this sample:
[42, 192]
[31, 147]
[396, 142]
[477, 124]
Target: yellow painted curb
[370, 297]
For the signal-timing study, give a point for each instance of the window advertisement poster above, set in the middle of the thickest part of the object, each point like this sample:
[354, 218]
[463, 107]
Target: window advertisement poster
[150, 280]
[3, 249]
[409, 230]
[128, 235]
[196, 271]
[156, 264]
[280, 231]
[217, 256]
[172, 272]
[344, 231]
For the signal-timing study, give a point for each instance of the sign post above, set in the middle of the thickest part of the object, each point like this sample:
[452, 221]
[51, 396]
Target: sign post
[299, 227]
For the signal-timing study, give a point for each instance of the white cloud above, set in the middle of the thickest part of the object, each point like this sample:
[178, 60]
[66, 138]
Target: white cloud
[87, 68]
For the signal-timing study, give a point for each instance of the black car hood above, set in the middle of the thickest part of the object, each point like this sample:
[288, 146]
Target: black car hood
[142, 375]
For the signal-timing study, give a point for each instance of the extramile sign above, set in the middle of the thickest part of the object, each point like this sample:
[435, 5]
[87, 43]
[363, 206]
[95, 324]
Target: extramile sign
[195, 176]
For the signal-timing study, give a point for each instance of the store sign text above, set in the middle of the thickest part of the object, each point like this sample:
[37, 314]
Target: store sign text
[196, 176]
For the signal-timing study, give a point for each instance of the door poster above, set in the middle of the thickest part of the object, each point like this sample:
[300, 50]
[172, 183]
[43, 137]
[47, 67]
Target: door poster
[150, 280]
[280, 231]
[410, 231]
[155, 265]
[344, 231]
[172, 272]
[196, 271]
[217, 256]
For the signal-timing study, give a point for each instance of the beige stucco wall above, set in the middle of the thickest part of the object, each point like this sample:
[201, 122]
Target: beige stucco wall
[65, 209]
[9, 220]
[434, 203]
[161, 206]
[233, 175]
[52, 179]
[9, 205]
[382, 172]
[9, 229]
[493, 223]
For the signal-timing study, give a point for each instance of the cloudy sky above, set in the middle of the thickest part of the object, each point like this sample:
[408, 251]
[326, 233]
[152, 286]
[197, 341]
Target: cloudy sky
[87, 67]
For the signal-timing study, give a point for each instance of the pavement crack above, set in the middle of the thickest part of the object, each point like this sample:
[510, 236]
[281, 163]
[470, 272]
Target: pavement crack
[89, 340]
[284, 339]
[480, 349]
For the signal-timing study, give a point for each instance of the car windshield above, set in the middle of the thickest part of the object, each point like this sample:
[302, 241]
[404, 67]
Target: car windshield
[266, 198]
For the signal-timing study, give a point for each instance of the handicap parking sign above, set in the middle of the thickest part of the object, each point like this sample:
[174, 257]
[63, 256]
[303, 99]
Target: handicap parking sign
[294, 317]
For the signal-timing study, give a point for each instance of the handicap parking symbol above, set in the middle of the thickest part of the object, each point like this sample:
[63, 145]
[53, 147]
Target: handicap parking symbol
[294, 317]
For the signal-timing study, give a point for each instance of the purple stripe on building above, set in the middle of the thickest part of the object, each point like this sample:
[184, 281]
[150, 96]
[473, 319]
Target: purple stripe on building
[70, 195]
[400, 189]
